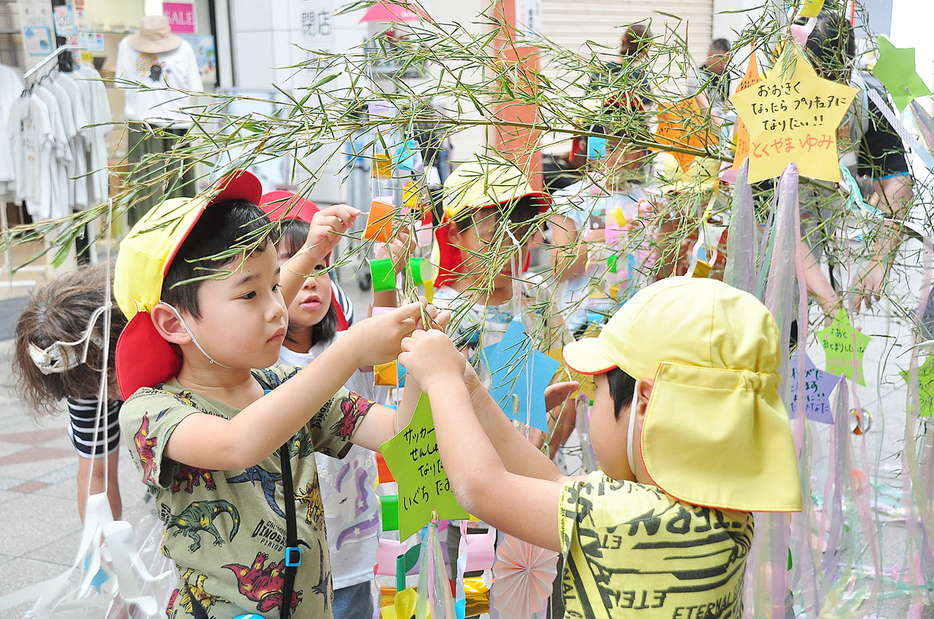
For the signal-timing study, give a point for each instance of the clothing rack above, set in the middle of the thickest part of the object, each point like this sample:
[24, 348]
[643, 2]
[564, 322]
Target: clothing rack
[66, 64]
[67, 61]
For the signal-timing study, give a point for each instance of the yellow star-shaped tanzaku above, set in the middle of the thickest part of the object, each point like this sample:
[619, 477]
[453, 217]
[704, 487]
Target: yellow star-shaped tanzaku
[792, 116]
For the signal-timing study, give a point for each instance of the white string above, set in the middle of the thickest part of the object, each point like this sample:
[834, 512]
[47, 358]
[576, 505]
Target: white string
[192, 335]
[630, 433]
[515, 260]
[104, 390]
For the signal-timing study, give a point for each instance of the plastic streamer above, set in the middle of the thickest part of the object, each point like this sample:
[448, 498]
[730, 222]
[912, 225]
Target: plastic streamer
[434, 595]
[741, 257]
[919, 491]
[771, 558]
[107, 571]
[924, 123]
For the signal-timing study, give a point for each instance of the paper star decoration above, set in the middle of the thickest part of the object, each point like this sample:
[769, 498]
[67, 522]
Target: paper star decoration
[811, 8]
[844, 347]
[896, 69]
[925, 387]
[518, 376]
[413, 458]
[751, 78]
[792, 117]
[817, 387]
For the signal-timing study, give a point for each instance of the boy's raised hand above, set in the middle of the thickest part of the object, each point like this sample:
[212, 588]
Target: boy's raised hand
[430, 356]
[399, 249]
[379, 339]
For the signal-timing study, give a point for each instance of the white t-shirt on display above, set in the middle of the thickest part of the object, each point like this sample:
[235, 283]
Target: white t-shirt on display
[164, 75]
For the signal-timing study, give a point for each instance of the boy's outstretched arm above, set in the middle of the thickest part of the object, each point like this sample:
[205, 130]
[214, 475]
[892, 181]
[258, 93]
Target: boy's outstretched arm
[479, 479]
[517, 453]
[210, 442]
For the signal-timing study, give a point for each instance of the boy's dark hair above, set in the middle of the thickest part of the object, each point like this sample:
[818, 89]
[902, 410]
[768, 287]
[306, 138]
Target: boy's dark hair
[721, 45]
[621, 388]
[635, 41]
[290, 239]
[521, 213]
[60, 312]
[225, 226]
[832, 46]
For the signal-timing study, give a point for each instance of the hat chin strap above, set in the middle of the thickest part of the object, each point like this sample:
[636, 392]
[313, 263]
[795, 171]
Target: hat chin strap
[192, 335]
[631, 433]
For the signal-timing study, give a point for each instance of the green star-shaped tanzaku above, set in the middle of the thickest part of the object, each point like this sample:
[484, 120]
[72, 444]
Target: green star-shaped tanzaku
[415, 462]
[844, 347]
[896, 69]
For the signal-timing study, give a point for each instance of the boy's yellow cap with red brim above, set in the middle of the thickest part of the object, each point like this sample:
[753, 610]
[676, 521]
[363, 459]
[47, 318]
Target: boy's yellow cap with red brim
[143, 358]
[715, 432]
[477, 184]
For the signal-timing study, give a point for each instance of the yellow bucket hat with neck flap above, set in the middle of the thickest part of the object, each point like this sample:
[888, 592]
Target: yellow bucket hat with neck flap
[716, 432]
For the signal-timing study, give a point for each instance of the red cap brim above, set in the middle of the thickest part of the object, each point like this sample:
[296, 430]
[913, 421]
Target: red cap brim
[287, 205]
[144, 358]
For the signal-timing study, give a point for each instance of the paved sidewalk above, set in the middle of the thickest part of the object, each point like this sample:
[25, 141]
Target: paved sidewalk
[40, 526]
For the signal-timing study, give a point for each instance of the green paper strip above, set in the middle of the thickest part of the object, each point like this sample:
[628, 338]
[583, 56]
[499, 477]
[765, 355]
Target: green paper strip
[414, 270]
[389, 511]
[383, 275]
[405, 562]
[611, 262]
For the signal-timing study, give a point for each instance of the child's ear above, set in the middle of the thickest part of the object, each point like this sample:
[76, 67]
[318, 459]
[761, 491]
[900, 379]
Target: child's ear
[168, 325]
[645, 392]
[455, 236]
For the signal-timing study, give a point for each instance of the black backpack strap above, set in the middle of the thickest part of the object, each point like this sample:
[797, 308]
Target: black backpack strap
[293, 552]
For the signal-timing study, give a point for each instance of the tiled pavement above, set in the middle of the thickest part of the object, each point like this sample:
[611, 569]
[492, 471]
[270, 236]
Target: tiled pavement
[39, 524]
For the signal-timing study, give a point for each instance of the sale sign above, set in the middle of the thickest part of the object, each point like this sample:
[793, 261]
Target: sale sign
[181, 16]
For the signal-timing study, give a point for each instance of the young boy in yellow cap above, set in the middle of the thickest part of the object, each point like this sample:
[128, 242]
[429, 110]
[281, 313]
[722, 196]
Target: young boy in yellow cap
[232, 470]
[691, 434]
[482, 243]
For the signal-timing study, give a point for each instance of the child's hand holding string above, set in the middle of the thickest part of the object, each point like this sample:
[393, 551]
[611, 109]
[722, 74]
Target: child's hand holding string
[327, 227]
[379, 339]
[430, 317]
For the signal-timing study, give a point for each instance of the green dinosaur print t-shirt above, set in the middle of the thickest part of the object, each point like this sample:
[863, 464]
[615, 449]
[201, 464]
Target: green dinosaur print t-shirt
[633, 551]
[226, 530]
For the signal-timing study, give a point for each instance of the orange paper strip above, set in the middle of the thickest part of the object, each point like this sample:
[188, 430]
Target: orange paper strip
[379, 221]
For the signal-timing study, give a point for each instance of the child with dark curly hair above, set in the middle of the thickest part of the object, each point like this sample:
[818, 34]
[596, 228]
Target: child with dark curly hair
[62, 346]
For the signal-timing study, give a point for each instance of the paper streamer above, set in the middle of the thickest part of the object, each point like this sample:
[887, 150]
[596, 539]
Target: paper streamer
[382, 274]
[389, 512]
[379, 220]
[478, 548]
[596, 147]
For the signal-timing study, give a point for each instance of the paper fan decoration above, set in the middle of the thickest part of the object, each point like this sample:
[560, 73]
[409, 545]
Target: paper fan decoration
[522, 578]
